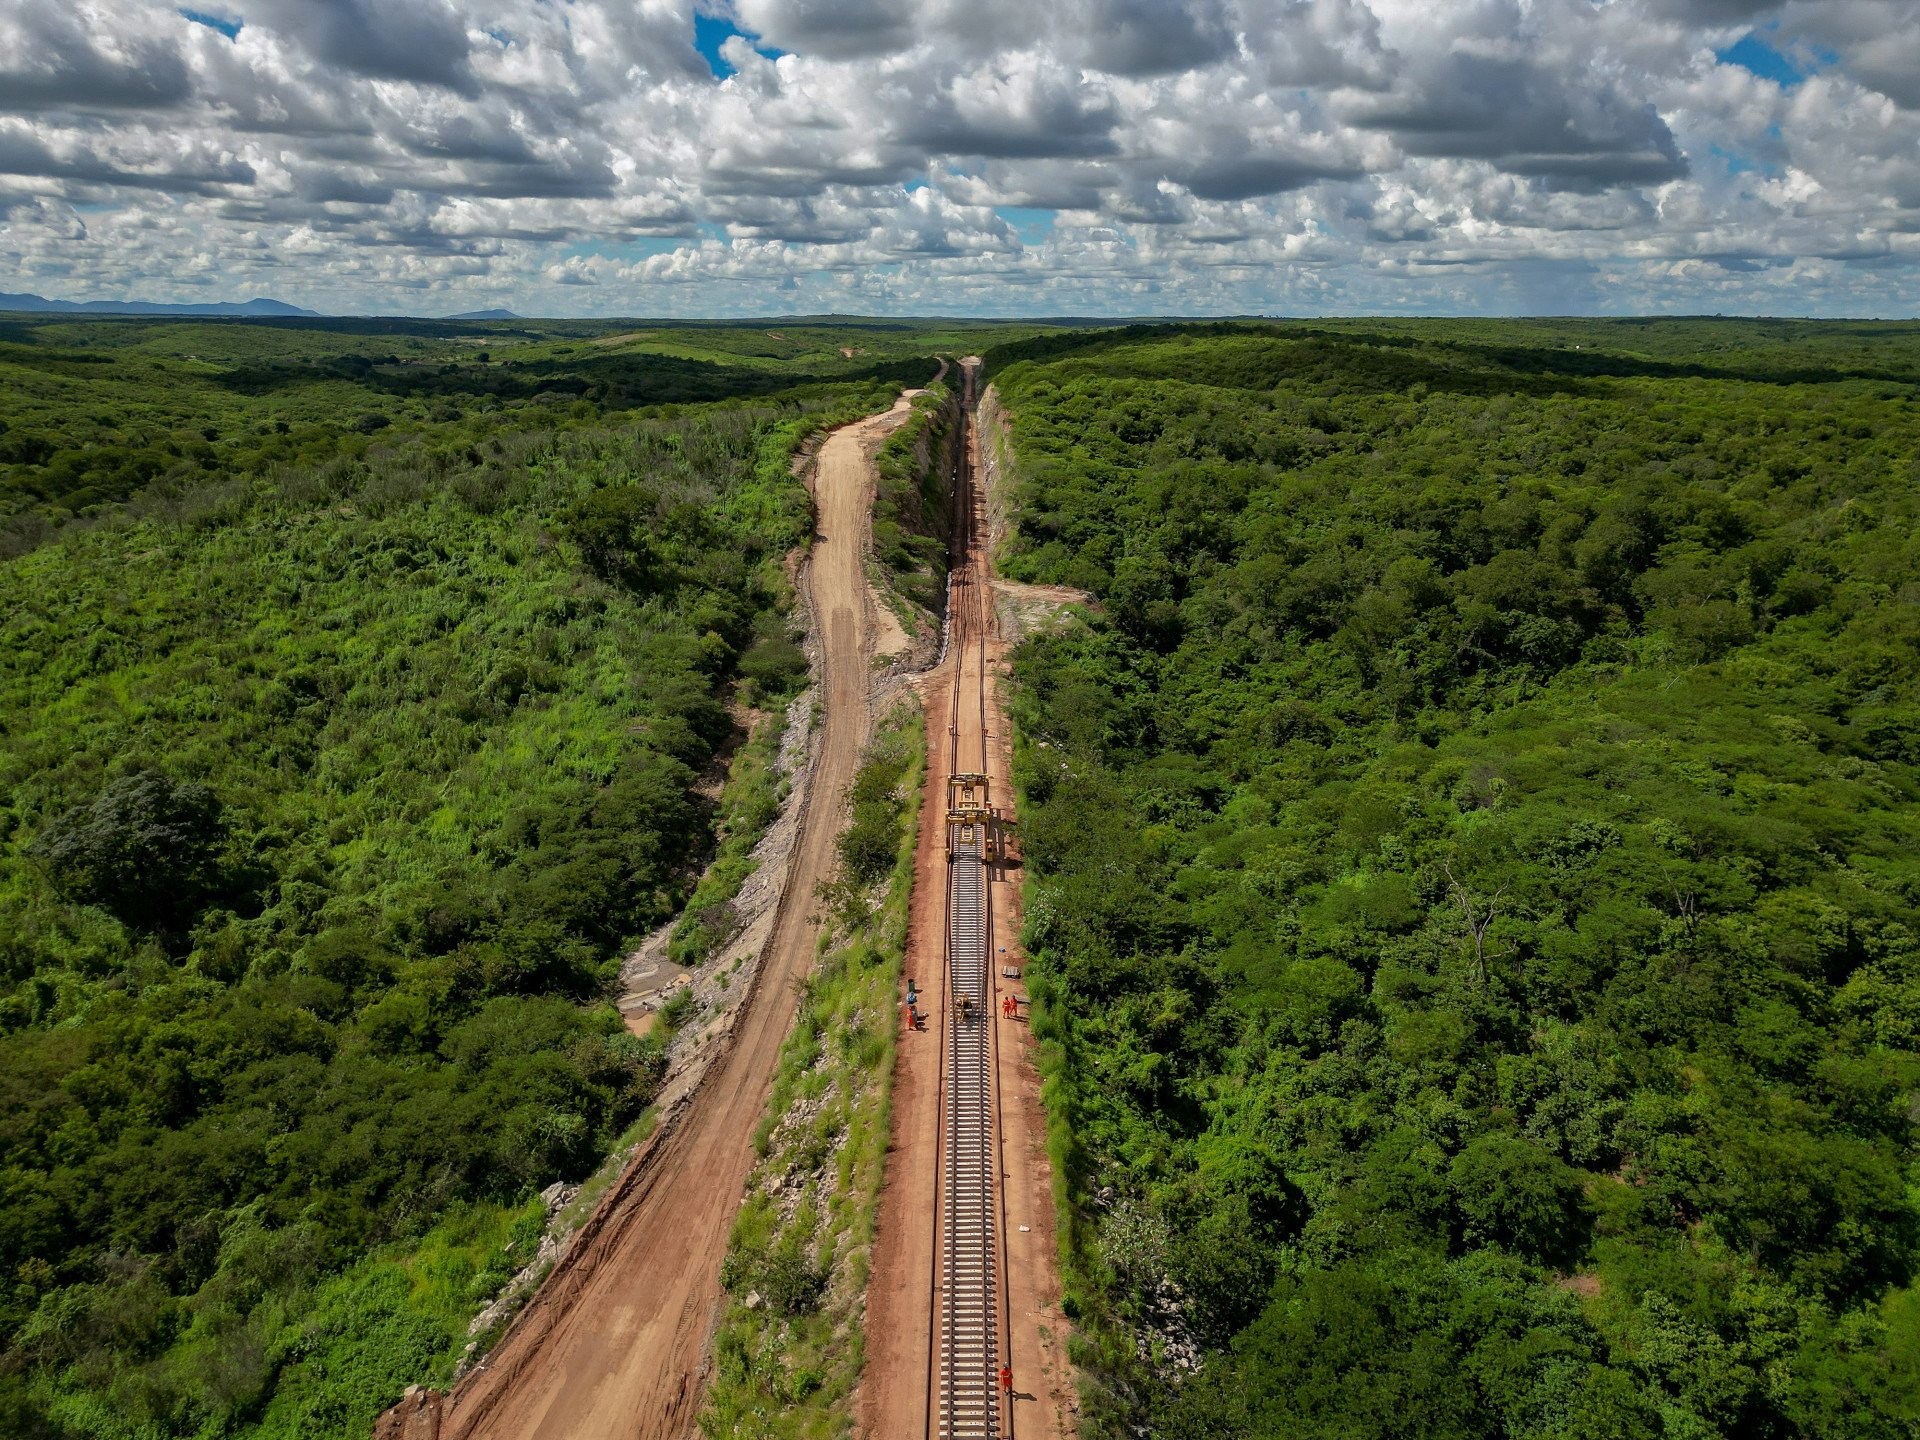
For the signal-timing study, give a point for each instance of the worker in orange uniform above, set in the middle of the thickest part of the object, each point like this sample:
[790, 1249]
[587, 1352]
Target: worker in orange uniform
[1007, 1006]
[1006, 1381]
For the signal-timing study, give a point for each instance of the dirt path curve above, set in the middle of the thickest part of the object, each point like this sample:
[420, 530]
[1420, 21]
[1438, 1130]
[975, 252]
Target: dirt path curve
[617, 1342]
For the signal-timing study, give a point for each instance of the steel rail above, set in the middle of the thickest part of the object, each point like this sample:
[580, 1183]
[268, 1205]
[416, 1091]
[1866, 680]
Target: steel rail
[969, 1296]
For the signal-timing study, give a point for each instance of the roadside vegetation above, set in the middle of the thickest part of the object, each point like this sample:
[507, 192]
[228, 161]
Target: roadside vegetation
[792, 1341]
[1473, 857]
[913, 509]
[334, 790]
[754, 793]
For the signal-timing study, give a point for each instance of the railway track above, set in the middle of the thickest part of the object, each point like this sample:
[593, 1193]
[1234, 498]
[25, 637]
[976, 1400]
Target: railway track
[969, 1198]
[969, 1333]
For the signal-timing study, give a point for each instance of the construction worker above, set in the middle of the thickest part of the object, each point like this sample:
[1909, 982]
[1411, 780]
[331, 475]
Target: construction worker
[1006, 1382]
[1008, 1005]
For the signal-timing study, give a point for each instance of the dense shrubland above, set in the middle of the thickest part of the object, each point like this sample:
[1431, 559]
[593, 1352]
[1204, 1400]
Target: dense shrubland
[913, 510]
[331, 794]
[1474, 856]
[93, 412]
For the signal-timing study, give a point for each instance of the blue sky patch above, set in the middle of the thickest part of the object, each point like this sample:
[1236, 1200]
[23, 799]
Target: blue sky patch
[1032, 226]
[1755, 55]
[710, 32]
[226, 27]
[638, 248]
[1738, 164]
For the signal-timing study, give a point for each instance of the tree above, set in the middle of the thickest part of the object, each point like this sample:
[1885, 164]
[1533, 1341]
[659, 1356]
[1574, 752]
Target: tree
[614, 529]
[146, 848]
[1510, 1192]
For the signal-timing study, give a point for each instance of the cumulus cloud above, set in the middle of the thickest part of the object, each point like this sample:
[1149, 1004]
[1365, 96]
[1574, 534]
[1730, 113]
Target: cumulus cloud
[424, 41]
[989, 155]
[89, 57]
[836, 29]
[1157, 37]
[1524, 89]
[1879, 39]
[1026, 106]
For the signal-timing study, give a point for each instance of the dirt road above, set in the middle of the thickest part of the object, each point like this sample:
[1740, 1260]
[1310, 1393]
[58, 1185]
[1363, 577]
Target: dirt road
[617, 1342]
[897, 1391]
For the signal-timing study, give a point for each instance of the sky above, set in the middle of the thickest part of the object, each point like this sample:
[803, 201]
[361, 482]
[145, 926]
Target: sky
[979, 157]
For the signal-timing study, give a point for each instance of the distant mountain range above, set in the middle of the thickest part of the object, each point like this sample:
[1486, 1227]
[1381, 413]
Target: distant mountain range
[37, 304]
[261, 307]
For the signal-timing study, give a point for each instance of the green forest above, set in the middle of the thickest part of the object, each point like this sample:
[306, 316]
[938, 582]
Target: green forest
[98, 411]
[342, 763]
[1473, 848]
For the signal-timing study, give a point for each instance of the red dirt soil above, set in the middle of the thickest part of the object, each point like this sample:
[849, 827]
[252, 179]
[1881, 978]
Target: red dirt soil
[895, 1395]
[618, 1341]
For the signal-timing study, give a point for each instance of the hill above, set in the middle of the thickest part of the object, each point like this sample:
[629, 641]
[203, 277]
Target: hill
[35, 304]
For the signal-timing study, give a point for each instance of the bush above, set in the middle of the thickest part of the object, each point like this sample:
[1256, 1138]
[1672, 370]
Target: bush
[1488, 759]
[468, 770]
[773, 665]
[792, 1280]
